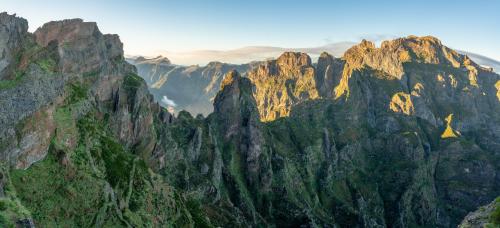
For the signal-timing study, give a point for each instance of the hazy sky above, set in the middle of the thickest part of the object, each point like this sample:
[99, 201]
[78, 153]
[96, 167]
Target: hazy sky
[146, 27]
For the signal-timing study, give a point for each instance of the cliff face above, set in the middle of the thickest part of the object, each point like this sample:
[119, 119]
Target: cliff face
[12, 34]
[404, 135]
[282, 83]
[409, 142]
[79, 132]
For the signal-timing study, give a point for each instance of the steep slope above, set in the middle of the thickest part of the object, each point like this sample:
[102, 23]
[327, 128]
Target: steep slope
[190, 88]
[79, 130]
[485, 216]
[282, 83]
[398, 136]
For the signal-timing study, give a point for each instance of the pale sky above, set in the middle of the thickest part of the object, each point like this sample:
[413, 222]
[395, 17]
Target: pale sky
[152, 27]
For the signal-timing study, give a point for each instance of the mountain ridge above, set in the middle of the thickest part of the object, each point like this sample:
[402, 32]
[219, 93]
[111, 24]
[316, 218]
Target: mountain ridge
[409, 141]
[258, 53]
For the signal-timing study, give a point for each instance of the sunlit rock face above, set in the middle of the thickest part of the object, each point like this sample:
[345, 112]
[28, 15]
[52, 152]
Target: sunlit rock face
[425, 101]
[282, 83]
[409, 142]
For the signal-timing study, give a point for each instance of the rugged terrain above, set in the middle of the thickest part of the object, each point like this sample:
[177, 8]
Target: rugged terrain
[404, 135]
[190, 88]
[485, 216]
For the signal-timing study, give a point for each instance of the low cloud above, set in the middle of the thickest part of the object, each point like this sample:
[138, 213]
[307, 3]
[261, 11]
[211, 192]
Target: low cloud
[168, 102]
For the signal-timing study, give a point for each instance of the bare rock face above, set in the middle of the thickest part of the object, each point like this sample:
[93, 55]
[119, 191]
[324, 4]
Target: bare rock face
[64, 58]
[82, 47]
[236, 115]
[328, 74]
[74, 97]
[13, 31]
[283, 82]
[392, 54]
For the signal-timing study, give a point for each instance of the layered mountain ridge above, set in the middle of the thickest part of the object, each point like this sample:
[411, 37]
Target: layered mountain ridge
[190, 88]
[398, 136]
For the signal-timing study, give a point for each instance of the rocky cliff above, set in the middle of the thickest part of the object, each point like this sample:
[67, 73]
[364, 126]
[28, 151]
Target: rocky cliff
[402, 135]
[79, 136]
[398, 136]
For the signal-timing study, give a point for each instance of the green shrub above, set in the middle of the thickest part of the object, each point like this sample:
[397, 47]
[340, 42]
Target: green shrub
[47, 64]
[6, 222]
[3, 205]
[495, 215]
[77, 92]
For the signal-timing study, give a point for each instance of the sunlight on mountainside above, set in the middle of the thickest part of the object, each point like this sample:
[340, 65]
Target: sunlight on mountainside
[449, 132]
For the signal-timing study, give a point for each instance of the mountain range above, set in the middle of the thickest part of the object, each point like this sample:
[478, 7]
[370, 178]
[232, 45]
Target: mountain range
[258, 53]
[192, 88]
[401, 135]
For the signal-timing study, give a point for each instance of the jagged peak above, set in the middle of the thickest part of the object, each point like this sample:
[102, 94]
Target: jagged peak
[234, 84]
[160, 59]
[294, 59]
[214, 63]
[325, 55]
[6, 18]
[13, 30]
[366, 44]
[13, 25]
[392, 53]
[230, 78]
[325, 58]
[235, 98]
[65, 31]
[286, 62]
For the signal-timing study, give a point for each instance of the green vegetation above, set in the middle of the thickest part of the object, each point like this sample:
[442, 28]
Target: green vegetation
[91, 74]
[11, 83]
[495, 215]
[47, 64]
[30, 53]
[11, 208]
[69, 188]
[77, 92]
[132, 82]
[59, 195]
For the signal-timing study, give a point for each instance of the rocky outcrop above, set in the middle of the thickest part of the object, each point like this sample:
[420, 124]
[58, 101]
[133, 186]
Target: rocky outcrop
[485, 216]
[13, 31]
[77, 41]
[236, 115]
[78, 117]
[282, 83]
